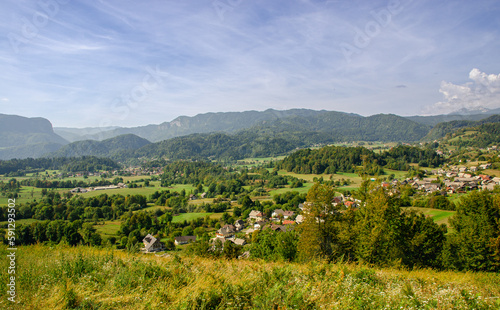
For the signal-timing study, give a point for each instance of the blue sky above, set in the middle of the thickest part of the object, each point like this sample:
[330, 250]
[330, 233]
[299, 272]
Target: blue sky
[129, 63]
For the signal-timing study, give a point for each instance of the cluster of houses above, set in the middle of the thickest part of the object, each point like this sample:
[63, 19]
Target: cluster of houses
[153, 244]
[455, 180]
[280, 221]
[136, 171]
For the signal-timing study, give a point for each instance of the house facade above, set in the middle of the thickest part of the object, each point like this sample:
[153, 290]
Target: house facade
[152, 244]
[184, 240]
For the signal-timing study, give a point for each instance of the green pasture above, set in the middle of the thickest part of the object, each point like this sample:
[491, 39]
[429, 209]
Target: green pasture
[109, 228]
[154, 208]
[439, 216]
[24, 196]
[19, 222]
[189, 216]
[303, 189]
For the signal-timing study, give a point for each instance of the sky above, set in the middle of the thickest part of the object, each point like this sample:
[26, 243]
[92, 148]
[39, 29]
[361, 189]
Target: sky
[98, 63]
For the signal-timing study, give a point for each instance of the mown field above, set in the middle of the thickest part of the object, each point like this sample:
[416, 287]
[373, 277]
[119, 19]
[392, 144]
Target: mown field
[90, 278]
[189, 217]
[439, 216]
[108, 228]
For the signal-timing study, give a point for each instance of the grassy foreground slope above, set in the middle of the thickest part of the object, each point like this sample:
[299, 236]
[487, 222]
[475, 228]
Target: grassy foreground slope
[90, 278]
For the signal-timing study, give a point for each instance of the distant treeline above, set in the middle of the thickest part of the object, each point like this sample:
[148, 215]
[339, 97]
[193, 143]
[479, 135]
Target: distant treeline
[70, 164]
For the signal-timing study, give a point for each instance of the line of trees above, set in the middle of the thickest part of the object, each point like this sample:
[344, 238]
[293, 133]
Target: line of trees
[382, 233]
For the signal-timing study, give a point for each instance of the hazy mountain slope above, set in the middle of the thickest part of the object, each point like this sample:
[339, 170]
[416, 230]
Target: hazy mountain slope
[22, 137]
[284, 135]
[461, 115]
[20, 131]
[345, 127]
[205, 123]
[106, 148]
[80, 134]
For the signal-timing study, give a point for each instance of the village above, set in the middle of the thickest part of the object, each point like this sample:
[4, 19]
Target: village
[280, 221]
[454, 179]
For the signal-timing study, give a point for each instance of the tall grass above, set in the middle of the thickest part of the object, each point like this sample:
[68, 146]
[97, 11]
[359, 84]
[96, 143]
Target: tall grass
[89, 278]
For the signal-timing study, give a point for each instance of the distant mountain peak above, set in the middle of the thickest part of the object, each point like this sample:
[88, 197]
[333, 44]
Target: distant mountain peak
[466, 111]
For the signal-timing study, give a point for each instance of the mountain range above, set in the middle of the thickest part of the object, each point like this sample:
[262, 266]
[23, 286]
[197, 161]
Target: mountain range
[230, 135]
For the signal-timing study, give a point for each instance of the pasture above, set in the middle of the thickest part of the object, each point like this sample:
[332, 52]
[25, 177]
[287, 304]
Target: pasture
[439, 216]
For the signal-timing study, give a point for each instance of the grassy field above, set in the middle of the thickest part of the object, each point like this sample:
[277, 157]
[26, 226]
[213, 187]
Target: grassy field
[25, 195]
[303, 189]
[154, 208]
[109, 229]
[189, 217]
[439, 216]
[19, 222]
[90, 278]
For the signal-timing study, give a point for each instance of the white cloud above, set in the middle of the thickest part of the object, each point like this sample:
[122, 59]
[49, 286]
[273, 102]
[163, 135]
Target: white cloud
[5, 99]
[482, 92]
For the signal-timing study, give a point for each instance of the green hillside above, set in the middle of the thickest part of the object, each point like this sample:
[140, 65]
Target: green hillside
[480, 136]
[442, 129]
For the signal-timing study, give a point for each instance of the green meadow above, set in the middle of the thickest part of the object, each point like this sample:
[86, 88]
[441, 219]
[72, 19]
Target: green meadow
[439, 216]
[189, 216]
[61, 277]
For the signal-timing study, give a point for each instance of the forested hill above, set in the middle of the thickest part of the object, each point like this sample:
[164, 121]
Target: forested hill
[340, 127]
[107, 148]
[333, 159]
[214, 146]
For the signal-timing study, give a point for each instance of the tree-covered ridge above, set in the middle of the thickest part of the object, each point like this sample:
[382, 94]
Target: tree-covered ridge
[214, 146]
[443, 129]
[480, 137]
[341, 127]
[68, 164]
[278, 137]
[333, 159]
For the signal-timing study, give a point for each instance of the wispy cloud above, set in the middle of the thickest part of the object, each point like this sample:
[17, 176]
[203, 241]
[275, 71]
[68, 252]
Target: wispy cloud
[482, 92]
[262, 54]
